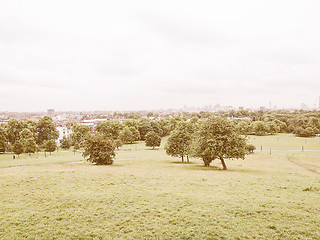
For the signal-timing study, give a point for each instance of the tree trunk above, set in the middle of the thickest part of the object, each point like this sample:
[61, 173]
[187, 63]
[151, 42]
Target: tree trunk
[188, 158]
[223, 164]
[182, 159]
[206, 162]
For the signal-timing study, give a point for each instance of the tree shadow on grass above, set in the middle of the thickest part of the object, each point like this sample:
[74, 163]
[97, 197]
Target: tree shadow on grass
[217, 168]
[204, 168]
[179, 162]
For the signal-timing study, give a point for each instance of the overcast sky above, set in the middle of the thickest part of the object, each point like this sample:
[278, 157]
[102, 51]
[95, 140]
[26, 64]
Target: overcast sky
[134, 55]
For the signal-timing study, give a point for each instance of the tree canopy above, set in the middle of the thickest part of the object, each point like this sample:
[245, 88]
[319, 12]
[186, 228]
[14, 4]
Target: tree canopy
[79, 133]
[46, 130]
[217, 138]
[152, 139]
[178, 144]
[99, 149]
[50, 145]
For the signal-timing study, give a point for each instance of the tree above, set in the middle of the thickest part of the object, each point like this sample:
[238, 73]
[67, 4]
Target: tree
[250, 148]
[99, 149]
[156, 128]
[217, 138]
[26, 134]
[117, 143]
[144, 126]
[14, 127]
[260, 128]
[3, 140]
[273, 127]
[79, 134]
[110, 129]
[65, 143]
[301, 132]
[30, 145]
[46, 130]
[244, 127]
[50, 146]
[152, 140]
[178, 143]
[126, 136]
[76, 147]
[135, 132]
[17, 148]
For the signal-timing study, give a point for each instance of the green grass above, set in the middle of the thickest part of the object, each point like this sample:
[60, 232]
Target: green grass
[303, 150]
[6, 160]
[149, 195]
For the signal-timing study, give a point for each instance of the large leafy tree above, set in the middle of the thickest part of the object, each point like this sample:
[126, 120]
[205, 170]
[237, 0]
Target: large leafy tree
[244, 127]
[152, 139]
[65, 143]
[144, 126]
[217, 138]
[260, 128]
[29, 145]
[18, 147]
[135, 133]
[25, 134]
[79, 134]
[178, 143]
[99, 149]
[14, 127]
[126, 136]
[50, 146]
[110, 129]
[46, 129]
[3, 140]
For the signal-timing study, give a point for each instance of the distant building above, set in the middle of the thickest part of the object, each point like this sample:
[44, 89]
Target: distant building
[50, 112]
[63, 132]
[262, 108]
[304, 106]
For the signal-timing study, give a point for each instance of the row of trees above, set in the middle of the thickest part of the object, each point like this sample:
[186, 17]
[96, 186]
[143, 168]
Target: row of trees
[28, 136]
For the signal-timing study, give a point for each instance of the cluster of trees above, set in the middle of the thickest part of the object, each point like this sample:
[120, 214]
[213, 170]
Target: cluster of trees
[100, 147]
[28, 136]
[208, 139]
[301, 123]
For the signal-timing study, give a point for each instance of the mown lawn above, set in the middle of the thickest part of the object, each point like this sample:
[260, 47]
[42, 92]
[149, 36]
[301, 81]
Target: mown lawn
[149, 195]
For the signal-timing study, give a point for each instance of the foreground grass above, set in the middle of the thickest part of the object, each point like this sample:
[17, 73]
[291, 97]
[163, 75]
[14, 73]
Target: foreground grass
[148, 195]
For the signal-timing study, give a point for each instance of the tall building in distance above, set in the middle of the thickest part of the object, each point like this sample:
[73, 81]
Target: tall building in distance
[50, 112]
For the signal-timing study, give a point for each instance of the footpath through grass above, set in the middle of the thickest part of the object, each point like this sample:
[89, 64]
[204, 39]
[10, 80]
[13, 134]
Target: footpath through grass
[149, 195]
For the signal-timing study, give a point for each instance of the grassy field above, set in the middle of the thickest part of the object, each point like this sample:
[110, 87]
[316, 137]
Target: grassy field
[149, 195]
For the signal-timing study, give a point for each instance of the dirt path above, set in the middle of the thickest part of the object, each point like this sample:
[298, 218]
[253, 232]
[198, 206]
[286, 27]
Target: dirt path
[308, 167]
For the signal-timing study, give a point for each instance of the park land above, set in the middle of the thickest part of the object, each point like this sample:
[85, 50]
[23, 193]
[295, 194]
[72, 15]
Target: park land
[146, 194]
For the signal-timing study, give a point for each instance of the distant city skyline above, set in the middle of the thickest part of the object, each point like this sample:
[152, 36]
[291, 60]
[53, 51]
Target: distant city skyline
[144, 55]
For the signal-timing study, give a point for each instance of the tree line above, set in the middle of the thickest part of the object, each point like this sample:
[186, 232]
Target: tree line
[205, 135]
[28, 136]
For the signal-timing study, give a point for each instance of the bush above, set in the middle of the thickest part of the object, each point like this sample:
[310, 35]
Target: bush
[250, 148]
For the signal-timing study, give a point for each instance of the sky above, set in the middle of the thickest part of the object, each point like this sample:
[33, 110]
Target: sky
[143, 55]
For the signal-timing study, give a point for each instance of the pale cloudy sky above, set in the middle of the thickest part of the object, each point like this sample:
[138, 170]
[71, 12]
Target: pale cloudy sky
[133, 55]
